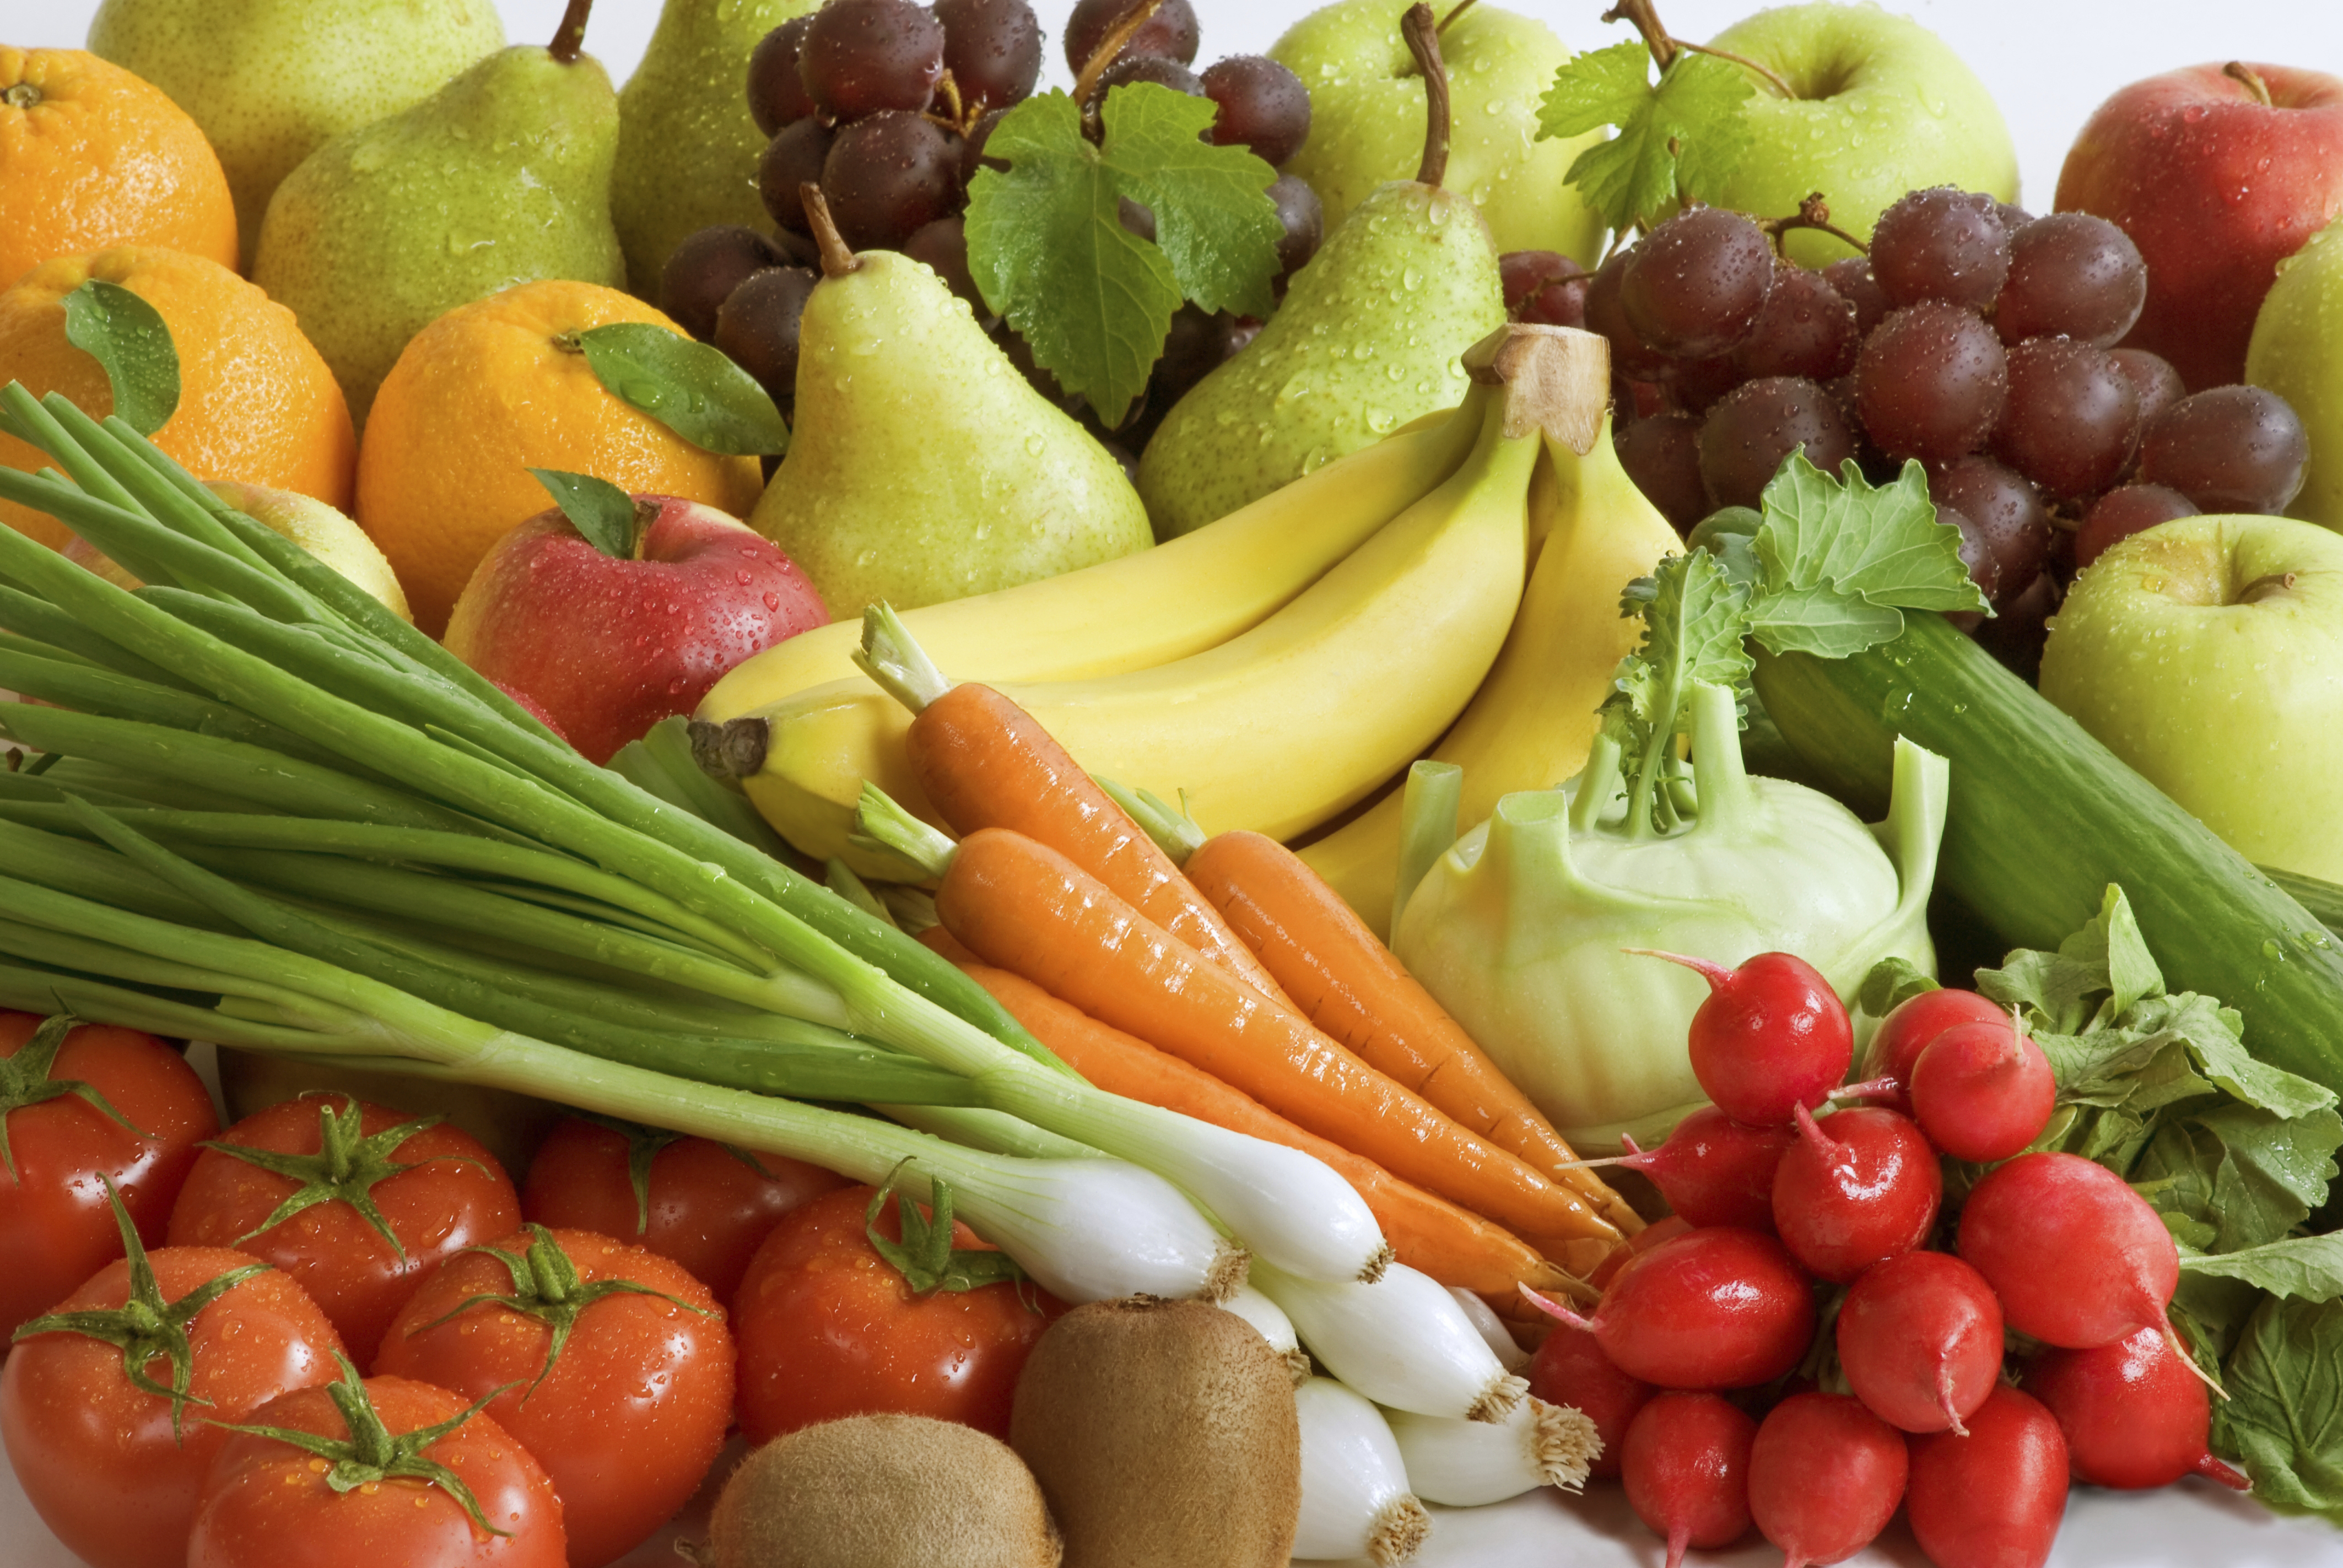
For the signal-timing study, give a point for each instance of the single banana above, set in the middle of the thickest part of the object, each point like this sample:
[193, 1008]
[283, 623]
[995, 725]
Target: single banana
[1530, 725]
[1149, 608]
[1276, 729]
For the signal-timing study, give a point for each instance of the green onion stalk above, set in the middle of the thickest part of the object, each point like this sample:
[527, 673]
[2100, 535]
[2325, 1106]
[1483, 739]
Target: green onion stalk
[273, 815]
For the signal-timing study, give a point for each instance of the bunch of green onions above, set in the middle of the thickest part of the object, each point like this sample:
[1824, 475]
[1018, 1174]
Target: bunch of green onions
[271, 814]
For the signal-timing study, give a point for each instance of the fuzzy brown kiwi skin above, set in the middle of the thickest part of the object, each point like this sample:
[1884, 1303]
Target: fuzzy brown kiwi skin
[881, 1492]
[1163, 1434]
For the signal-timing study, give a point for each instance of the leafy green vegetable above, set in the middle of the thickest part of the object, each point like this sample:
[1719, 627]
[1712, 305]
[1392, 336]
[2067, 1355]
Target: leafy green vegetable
[1679, 139]
[692, 388]
[1891, 984]
[2302, 1268]
[1047, 246]
[606, 516]
[1838, 558]
[2283, 1415]
[128, 337]
[1694, 626]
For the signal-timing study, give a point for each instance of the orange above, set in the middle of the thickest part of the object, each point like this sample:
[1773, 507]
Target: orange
[489, 391]
[92, 157]
[256, 403]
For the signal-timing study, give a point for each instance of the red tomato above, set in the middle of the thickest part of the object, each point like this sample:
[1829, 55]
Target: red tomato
[55, 1228]
[635, 1407]
[708, 1205]
[436, 1188]
[828, 1328]
[97, 1457]
[268, 1505]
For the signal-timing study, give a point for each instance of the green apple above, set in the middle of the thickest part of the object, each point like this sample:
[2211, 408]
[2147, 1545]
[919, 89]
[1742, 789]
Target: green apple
[1366, 119]
[2297, 352]
[2208, 654]
[1883, 107]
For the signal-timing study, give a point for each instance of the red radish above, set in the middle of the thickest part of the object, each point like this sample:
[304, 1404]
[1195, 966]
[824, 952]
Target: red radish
[1569, 1369]
[1857, 1189]
[1712, 1308]
[1686, 1463]
[2077, 1258]
[1665, 1229]
[1919, 1338]
[1772, 1036]
[1712, 1169]
[1992, 1499]
[1912, 1023]
[1824, 1477]
[1983, 1091]
[2132, 1415]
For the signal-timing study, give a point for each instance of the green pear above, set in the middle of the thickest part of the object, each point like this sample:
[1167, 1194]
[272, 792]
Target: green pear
[502, 176]
[271, 81]
[1366, 113]
[688, 147]
[1369, 338]
[923, 467]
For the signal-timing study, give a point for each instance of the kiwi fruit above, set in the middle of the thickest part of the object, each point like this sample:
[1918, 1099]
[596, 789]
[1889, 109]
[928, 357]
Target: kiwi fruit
[881, 1492]
[1163, 1434]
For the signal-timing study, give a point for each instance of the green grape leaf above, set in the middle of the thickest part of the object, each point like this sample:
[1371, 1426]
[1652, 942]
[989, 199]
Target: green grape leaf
[1678, 139]
[129, 339]
[1047, 250]
[608, 518]
[1840, 560]
[692, 388]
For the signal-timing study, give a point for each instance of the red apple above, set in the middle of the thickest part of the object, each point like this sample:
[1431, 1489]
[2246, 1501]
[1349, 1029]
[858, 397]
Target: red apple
[2217, 174]
[608, 644]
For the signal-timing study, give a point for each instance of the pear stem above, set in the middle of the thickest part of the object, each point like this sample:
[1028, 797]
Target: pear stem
[2239, 71]
[1422, 31]
[1111, 46]
[837, 255]
[570, 38]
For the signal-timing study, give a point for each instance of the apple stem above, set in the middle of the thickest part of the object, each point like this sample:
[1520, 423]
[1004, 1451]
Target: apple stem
[1813, 212]
[1455, 11]
[569, 38]
[2239, 71]
[1109, 47]
[837, 255]
[2263, 587]
[1768, 76]
[1423, 34]
[1663, 44]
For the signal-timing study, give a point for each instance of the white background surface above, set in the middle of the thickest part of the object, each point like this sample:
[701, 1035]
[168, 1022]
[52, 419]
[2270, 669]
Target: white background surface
[2048, 63]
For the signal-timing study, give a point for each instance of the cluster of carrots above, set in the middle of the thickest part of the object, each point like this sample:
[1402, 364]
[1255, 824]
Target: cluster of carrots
[1226, 980]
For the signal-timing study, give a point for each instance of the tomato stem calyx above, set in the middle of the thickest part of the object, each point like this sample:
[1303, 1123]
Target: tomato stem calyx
[24, 1081]
[925, 1257]
[345, 1169]
[371, 1454]
[147, 1326]
[546, 1287]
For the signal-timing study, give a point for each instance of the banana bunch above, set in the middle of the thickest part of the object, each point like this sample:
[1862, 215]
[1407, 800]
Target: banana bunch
[1277, 667]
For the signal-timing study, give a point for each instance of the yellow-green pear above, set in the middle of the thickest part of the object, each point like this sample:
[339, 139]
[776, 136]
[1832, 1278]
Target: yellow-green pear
[272, 81]
[501, 177]
[1368, 338]
[1366, 111]
[688, 147]
[924, 466]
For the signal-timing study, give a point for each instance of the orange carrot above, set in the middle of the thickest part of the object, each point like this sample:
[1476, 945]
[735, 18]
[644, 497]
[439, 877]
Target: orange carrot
[1343, 980]
[1428, 1234]
[985, 762]
[1022, 906]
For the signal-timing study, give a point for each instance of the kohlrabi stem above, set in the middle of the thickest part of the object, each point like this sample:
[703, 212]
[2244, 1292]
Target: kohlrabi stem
[1422, 30]
[1718, 772]
[1427, 825]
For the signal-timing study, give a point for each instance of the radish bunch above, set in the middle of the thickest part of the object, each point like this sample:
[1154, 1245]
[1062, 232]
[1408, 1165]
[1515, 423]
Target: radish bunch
[1694, 1331]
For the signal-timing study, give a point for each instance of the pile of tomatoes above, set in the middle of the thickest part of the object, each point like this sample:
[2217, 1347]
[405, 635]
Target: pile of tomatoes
[334, 1331]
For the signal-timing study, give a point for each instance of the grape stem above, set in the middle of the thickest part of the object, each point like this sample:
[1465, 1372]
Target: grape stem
[955, 118]
[569, 38]
[2239, 71]
[837, 255]
[1813, 212]
[1663, 46]
[1455, 11]
[1111, 46]
[1423, 34]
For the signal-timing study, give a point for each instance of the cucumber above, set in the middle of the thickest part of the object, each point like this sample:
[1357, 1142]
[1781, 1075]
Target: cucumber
[2042, 818]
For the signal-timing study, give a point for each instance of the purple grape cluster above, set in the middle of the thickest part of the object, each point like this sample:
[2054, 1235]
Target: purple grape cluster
[1974, 337]
[885, 106]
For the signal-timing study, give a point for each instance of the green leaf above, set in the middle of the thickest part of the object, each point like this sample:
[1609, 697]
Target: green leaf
[1678, 140]
[1841, 559]
[2283, 1415]
[608, 518]
[2106, 960]
[1047, 248]
[1891, 984]
[128, 337]
[1693, 634]
[692, 388]
[2302, 1268]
